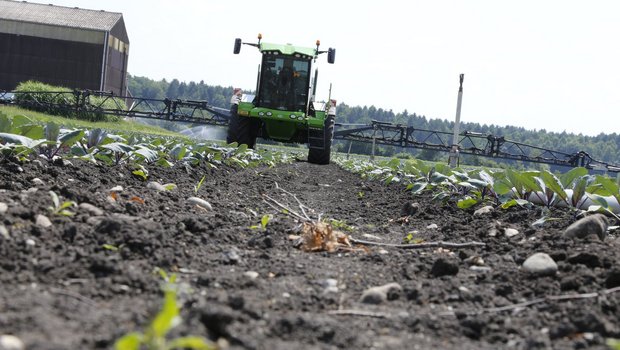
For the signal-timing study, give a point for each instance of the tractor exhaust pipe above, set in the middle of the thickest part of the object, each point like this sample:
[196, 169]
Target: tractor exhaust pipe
[453, 159]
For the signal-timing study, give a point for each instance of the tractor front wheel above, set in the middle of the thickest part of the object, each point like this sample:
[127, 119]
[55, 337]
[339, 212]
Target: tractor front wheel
[322, 156]
[242, 130]
[248, 131]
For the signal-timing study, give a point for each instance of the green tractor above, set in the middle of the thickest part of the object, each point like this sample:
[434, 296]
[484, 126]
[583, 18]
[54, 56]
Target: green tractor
[284, 107]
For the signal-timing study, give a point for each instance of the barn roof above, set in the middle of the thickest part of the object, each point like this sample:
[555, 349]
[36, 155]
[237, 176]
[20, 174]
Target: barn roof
[72, 17]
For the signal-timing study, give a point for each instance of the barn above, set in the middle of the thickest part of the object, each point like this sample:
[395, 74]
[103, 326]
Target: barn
[65, 46]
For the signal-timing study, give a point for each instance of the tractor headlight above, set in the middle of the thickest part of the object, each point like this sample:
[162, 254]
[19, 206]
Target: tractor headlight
[293, 116]
[301, 117]
[269, 114]
[261, 114]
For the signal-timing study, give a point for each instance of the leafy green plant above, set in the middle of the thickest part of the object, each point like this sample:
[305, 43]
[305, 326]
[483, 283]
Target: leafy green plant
[154, 337]
[600, 205]
[17, 145]
[114, 152]
[610, 186]
[144, 153]
[553, 184]
[57, 140]
[58, 208]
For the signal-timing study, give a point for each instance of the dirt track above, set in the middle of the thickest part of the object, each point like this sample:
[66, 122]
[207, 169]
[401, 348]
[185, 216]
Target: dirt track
[61, 289]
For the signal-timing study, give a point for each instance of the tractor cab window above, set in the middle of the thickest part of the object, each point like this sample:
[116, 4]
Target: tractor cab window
[284, 83]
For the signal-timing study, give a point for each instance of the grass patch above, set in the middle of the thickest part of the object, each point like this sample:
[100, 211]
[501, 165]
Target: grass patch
[125, 126]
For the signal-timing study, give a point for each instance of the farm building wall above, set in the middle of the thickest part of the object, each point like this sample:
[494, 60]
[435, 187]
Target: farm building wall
[68, 50]
[54, 61]
[117, 59]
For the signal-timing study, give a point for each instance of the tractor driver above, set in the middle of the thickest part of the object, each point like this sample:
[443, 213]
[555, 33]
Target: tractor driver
[285, 76]
[285, 84]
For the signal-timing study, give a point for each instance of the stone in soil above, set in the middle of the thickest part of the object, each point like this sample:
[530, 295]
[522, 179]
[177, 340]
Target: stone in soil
[593, 225]
[444, 267]
[380, 294]
[540, 264]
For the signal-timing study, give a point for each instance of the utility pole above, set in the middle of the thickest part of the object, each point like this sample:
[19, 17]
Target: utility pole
[453, 159]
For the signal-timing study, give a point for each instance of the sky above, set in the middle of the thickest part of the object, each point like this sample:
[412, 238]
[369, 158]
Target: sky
[552, 64]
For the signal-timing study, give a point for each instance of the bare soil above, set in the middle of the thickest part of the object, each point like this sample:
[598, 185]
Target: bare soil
[62, 289]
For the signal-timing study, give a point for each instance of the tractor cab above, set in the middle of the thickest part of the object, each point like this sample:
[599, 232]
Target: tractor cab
[284, 107]
[284, 82]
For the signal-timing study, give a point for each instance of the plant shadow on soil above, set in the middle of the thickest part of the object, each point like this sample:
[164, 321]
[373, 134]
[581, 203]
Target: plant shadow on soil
[251, 289]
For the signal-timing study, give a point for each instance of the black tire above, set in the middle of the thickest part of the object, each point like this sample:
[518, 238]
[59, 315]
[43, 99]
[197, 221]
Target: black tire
[322, 156]
[248, 131]
[242, 130]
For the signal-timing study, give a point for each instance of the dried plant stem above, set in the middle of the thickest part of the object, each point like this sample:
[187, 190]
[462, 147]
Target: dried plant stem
[439, 244]
[562, 297]
[302, 206]
[279, 206]
[71, 294]
[352, 312]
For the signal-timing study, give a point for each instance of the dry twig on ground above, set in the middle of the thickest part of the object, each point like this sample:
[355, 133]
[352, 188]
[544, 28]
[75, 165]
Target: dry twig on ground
[549, 298]
[316, 235]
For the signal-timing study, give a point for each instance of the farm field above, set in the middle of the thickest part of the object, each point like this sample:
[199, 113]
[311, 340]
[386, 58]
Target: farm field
[83, 281]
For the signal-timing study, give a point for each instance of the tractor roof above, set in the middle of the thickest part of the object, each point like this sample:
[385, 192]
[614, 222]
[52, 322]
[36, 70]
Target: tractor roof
[288, 49]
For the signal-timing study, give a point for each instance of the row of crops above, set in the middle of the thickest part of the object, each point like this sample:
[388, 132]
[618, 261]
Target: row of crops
[23, 138]
[575, 189]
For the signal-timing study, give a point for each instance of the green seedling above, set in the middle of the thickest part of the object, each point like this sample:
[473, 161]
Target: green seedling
[263, 222]
[199, 184]
[141, 172]
[110, 247]
[513, 202]
[58, 208]
[467, 202]
[410, 239]
[341, 225]
[614, 344]
[154, 337]
[542, 221]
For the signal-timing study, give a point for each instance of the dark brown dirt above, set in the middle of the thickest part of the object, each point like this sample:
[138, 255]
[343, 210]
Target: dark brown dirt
[66, 291]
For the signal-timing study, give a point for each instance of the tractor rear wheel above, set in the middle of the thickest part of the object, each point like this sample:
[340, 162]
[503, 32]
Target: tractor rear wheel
[322, 156]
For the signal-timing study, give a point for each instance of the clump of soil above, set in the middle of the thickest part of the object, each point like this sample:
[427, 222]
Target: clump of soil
[88, 279]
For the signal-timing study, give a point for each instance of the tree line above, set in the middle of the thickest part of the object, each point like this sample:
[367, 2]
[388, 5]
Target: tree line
[603, 147]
